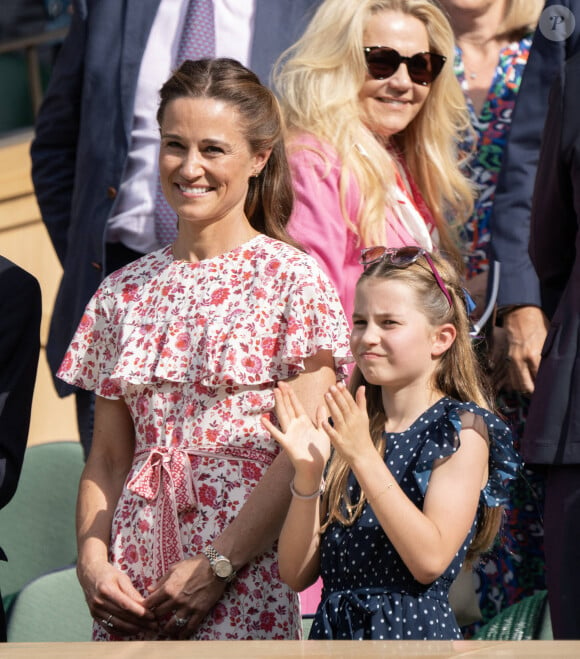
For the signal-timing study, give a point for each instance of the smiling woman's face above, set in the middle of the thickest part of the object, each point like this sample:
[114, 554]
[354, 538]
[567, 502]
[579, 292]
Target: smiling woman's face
[390, 105]
[205, 160]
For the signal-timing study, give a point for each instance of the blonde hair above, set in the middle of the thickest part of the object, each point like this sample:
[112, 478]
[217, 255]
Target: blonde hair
[521, 18]
[458, 375]
[319, 79]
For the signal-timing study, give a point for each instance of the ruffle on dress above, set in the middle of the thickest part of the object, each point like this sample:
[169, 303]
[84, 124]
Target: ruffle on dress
[504, 461]
[244, 321]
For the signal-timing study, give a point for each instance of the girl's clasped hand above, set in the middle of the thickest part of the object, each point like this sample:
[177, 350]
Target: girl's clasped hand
[307, 443]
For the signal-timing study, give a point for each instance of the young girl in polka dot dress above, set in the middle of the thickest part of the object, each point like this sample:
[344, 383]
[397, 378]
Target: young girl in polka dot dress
[416, 481]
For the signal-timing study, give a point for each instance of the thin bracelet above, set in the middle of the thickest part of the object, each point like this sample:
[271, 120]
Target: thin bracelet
[381, 492]
[305, 497]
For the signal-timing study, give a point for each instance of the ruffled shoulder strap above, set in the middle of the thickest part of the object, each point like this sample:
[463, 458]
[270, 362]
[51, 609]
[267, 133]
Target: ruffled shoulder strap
[443, 440]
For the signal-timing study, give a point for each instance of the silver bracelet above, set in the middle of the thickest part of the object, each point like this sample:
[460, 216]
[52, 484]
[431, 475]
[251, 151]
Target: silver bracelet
[305, 497]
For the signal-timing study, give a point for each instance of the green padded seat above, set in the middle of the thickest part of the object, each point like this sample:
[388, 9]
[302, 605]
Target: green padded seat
[524, 621]
[37, 527]
[51, 608]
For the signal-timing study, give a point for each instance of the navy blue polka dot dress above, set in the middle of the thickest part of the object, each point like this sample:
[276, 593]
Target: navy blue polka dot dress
[368, 592]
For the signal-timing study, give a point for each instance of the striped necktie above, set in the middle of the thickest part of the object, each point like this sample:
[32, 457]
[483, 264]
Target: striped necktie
[196, 42]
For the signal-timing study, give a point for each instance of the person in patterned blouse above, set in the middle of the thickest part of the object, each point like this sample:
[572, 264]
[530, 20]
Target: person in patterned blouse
[493, 39]
[184, 493]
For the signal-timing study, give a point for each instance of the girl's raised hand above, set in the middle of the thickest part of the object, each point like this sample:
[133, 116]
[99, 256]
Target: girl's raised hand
[307, 445]
[349, 433]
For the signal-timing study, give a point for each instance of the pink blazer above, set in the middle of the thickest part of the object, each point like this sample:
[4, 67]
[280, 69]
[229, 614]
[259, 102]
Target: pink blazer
[317, 221]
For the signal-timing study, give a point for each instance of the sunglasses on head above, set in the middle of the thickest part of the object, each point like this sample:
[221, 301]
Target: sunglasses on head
[402, 257]
[423, 68]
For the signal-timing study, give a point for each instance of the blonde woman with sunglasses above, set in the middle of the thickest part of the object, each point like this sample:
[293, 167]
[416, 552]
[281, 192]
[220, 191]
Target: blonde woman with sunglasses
[373, 110]
[415, 484]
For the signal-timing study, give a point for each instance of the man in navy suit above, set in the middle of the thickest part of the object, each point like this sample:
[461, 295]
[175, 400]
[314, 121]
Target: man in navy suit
[552, 435]
[20, 311]
[95, 150]
[524, 307]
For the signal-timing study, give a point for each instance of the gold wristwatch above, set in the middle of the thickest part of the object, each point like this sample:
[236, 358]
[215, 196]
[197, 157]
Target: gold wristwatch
[221, 566]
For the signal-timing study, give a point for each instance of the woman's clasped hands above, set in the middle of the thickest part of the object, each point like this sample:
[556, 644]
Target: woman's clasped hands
[184, 595]
[113, 600]
[176, 606]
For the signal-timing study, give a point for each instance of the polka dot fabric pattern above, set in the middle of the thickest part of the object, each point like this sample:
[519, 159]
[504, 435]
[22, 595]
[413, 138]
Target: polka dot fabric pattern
[195, 351]
[368, 592]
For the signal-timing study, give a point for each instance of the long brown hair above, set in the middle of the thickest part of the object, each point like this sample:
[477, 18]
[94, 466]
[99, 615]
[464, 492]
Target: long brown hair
[458, 375]
[270, 196]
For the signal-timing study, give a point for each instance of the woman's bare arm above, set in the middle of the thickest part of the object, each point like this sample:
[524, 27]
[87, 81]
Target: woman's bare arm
[108, 591]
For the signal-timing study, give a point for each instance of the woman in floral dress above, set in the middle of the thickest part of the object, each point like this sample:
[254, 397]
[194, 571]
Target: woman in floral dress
[493, 39]
[184, 493]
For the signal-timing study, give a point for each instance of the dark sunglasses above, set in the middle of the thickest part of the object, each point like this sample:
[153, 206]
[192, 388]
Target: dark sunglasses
[402, 257]
[423, 68]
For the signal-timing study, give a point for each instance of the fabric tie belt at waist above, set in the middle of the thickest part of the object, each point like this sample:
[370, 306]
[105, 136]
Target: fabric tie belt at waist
[349, 609]
[164, 479]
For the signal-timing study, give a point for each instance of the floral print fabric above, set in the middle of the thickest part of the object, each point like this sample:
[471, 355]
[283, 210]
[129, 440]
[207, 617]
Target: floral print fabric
[514, 568]
[492, 129]
[195, 349]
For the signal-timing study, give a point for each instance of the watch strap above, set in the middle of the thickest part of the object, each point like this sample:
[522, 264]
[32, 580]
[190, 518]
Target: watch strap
[213, 555]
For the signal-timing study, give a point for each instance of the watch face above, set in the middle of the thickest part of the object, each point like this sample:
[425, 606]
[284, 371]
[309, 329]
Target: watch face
[223, 568]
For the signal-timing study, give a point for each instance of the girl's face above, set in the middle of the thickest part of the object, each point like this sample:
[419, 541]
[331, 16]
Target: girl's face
[205, 160]
[390, 105]
[392, 341]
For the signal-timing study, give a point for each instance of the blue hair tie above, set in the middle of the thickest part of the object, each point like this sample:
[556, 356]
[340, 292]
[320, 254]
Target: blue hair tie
[469, 303]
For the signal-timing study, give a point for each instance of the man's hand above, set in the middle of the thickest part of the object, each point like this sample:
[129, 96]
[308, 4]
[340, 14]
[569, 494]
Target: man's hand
[526, 330]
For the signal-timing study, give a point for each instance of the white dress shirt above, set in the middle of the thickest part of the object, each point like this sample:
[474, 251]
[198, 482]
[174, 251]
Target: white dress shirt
[131, 220]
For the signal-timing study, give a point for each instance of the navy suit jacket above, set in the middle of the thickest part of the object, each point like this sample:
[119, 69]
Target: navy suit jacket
[20, 311]
[510, 222]
[83, 132]
[552, 434]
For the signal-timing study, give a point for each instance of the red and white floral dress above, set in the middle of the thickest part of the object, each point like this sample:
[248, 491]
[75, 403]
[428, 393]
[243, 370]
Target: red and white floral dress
[195, 351]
